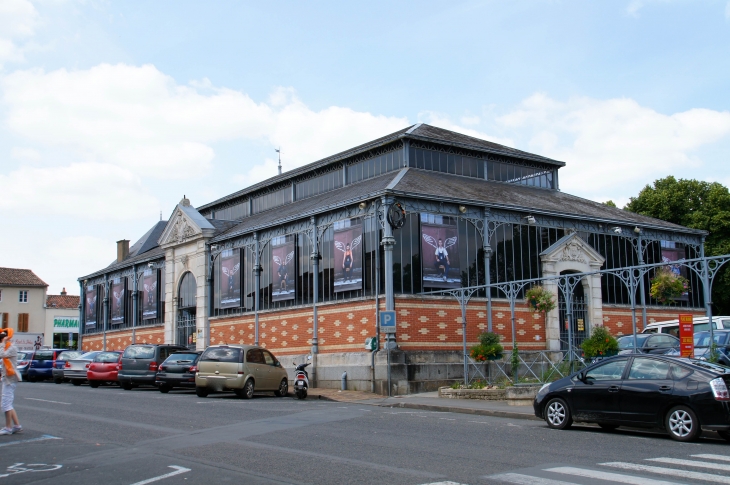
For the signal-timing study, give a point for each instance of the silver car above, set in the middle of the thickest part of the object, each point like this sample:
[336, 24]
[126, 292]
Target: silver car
[75, 369]
[241, 369]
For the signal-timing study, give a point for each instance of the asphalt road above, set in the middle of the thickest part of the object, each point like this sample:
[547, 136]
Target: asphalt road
[79, 435]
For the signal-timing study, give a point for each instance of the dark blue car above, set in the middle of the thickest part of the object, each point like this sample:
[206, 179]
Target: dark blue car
[41, 364]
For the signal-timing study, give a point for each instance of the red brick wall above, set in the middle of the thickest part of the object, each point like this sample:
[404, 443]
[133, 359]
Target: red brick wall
[120, 339]
[618, 318]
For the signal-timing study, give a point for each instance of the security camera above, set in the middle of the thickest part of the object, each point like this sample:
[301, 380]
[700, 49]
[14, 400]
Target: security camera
[617, 230]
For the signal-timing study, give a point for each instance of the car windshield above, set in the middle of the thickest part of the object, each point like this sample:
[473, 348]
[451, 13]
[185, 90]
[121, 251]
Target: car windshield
[703, 339]
[43, 355]
[23, 355]
[107, 357]
[627, 341]
[139, 352]
[222, 354]
[69, 355]
[182, 358]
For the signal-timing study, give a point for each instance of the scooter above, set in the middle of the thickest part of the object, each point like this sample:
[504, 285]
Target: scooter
[301, 379]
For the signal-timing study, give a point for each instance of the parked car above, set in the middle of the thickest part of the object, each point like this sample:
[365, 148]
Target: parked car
[57, 371]
[700, 325]
[104, 368]
[75, 369]
[722, 342]
[241, 369]
[140, 363]
[178, 370]
[649, 344]
[682, 396]
[23, 363]
[41, 364]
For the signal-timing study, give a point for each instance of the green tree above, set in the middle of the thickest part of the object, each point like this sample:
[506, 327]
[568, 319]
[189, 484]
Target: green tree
[610, 203]
[699, 205]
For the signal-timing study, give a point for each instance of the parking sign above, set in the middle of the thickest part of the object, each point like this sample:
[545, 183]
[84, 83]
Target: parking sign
[387, 321]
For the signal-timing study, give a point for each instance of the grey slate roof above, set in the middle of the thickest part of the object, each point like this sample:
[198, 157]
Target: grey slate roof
[149, 240]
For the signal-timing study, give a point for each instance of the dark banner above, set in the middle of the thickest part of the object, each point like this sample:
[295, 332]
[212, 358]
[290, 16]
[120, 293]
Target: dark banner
[90, 306]
[230, 279]
[440, 252]
[348, 258]
[283, 272]
[670, 255]
[117, 301]
[149, 294]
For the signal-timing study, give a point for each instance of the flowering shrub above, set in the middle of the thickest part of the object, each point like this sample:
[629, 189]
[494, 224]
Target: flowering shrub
[667, 286]
[540, 300]
[600, 344]
[489, 348]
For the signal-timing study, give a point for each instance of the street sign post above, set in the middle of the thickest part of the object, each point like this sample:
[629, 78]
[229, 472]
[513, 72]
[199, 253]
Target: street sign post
[387, 321]
[686, 335]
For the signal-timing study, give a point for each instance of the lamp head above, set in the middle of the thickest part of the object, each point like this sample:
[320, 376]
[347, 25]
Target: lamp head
[362, 205]
[462, 209]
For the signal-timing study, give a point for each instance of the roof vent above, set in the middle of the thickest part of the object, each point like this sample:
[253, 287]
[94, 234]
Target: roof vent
[63, 292]
[122, 250]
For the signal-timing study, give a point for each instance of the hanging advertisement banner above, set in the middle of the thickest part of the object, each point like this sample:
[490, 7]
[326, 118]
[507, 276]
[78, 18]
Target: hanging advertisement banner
[149, 294]
[117, 300]
[670, 255]
[440, 252]
[90, 306]
[686, 335]
[348, 258]
[230, 279]
[282, 272]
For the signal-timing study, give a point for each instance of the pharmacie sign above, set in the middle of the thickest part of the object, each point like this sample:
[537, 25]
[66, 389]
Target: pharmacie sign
[66, 324]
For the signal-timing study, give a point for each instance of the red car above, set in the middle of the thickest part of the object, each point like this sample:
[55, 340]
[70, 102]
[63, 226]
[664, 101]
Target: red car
[104, 368]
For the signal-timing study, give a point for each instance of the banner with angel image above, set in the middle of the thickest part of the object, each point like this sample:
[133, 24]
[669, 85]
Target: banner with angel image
[348, 257]
[90, 306]
[229, 279]
[149, 294]
[440, 253]
[117, 300]
[283, 271]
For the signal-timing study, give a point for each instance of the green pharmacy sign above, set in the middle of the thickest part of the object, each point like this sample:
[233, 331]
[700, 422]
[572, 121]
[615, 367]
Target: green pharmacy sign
[66, 324]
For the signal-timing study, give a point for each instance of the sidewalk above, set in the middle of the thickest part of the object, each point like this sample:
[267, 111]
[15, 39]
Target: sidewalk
[428, 401]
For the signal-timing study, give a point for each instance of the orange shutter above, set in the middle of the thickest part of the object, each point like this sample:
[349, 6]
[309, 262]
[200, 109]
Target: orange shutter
[22, 322]
[5, 320]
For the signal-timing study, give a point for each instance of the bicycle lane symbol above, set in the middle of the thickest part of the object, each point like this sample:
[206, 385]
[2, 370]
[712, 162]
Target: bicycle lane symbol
[30, 467]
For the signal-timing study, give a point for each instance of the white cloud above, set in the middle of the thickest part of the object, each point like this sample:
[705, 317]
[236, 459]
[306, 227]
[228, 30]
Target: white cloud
[616, 145]
[20, 153]
[18, 20]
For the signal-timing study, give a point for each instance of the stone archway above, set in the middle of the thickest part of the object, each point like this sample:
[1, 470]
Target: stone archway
[571, 254]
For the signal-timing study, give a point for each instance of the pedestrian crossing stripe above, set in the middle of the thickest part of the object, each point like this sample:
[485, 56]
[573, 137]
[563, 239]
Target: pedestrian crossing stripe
[615, 477]
[708, 477]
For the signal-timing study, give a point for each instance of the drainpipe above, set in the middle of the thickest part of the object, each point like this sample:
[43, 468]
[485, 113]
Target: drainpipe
[105, 320]
[388, 242]
[487, 246]
[377, 310]
[82, 323]
[315, 298]
[135, 304]
[257, 283]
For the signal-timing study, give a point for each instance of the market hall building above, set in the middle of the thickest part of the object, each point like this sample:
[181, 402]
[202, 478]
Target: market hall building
[301, 262]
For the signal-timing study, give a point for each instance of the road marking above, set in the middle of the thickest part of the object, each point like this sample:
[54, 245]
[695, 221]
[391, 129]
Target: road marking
[669, 471]
[528, 480]
[601, 475]
[442, 483]
[708, 456]
[41, 438]
[448, 419]
[696, 464]
[178, 471]
[46, 400]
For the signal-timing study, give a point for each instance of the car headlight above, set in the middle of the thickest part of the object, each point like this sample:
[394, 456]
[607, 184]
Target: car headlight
[543, 390]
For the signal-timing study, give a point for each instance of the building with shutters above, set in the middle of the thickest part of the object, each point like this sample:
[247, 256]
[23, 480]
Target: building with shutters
[22, 300]
[303, 261]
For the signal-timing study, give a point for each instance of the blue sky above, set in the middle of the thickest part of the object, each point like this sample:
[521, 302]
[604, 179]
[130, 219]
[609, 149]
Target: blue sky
[111, 111]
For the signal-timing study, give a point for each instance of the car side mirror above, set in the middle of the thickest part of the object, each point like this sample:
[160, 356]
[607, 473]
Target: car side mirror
[581, 376]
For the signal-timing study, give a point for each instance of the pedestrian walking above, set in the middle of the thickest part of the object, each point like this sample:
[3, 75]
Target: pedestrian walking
[10, 378]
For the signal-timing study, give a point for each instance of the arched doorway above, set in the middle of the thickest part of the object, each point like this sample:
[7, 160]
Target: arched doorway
[580, 316]
[187, 303]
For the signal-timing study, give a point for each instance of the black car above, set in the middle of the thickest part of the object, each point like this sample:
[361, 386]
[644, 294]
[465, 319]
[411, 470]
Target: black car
[722, 349]
[140, 363]
[682, 396]
[649, 343]
[178, 370]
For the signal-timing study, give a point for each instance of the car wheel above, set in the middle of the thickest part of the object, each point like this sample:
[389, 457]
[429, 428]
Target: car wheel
[76, 382]
[94, 384]
[557, 414]
[725, 435]
[608, 427]
[682, 424]
[58, 381]
[126, 387]
[165, 389]
[247, 391]
[201, 391]
[283, 388]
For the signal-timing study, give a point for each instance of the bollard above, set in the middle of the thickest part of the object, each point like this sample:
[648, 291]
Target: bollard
[344, 381]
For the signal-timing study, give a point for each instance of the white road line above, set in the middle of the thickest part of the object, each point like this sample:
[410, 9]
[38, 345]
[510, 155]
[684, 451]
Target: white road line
[669, 471]
[601, 475]
[697, 464]
[708, 456]
[178, 471]
[443, 483]
[41, 438]
[528, 479]
[46, 400]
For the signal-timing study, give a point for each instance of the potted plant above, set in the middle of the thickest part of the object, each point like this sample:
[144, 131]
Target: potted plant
[600, 344]
[540, 300]
[489, 348]
[667, 286]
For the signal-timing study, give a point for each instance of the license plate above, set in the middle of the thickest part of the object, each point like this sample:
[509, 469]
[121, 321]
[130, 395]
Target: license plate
[300, 383]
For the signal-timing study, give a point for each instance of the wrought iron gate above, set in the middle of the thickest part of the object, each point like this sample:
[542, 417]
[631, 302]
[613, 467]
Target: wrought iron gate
[185, 330]
[580, 322]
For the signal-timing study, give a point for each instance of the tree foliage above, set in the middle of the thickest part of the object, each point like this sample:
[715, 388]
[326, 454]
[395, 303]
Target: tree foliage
[699, 205]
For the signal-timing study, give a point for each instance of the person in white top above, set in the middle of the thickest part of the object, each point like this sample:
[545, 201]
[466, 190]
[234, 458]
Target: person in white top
[442, 259]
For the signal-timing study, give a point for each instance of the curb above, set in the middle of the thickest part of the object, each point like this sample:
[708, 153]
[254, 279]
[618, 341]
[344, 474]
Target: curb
[448, 409]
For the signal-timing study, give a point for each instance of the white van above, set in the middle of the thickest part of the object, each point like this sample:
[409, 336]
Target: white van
[701, 324]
